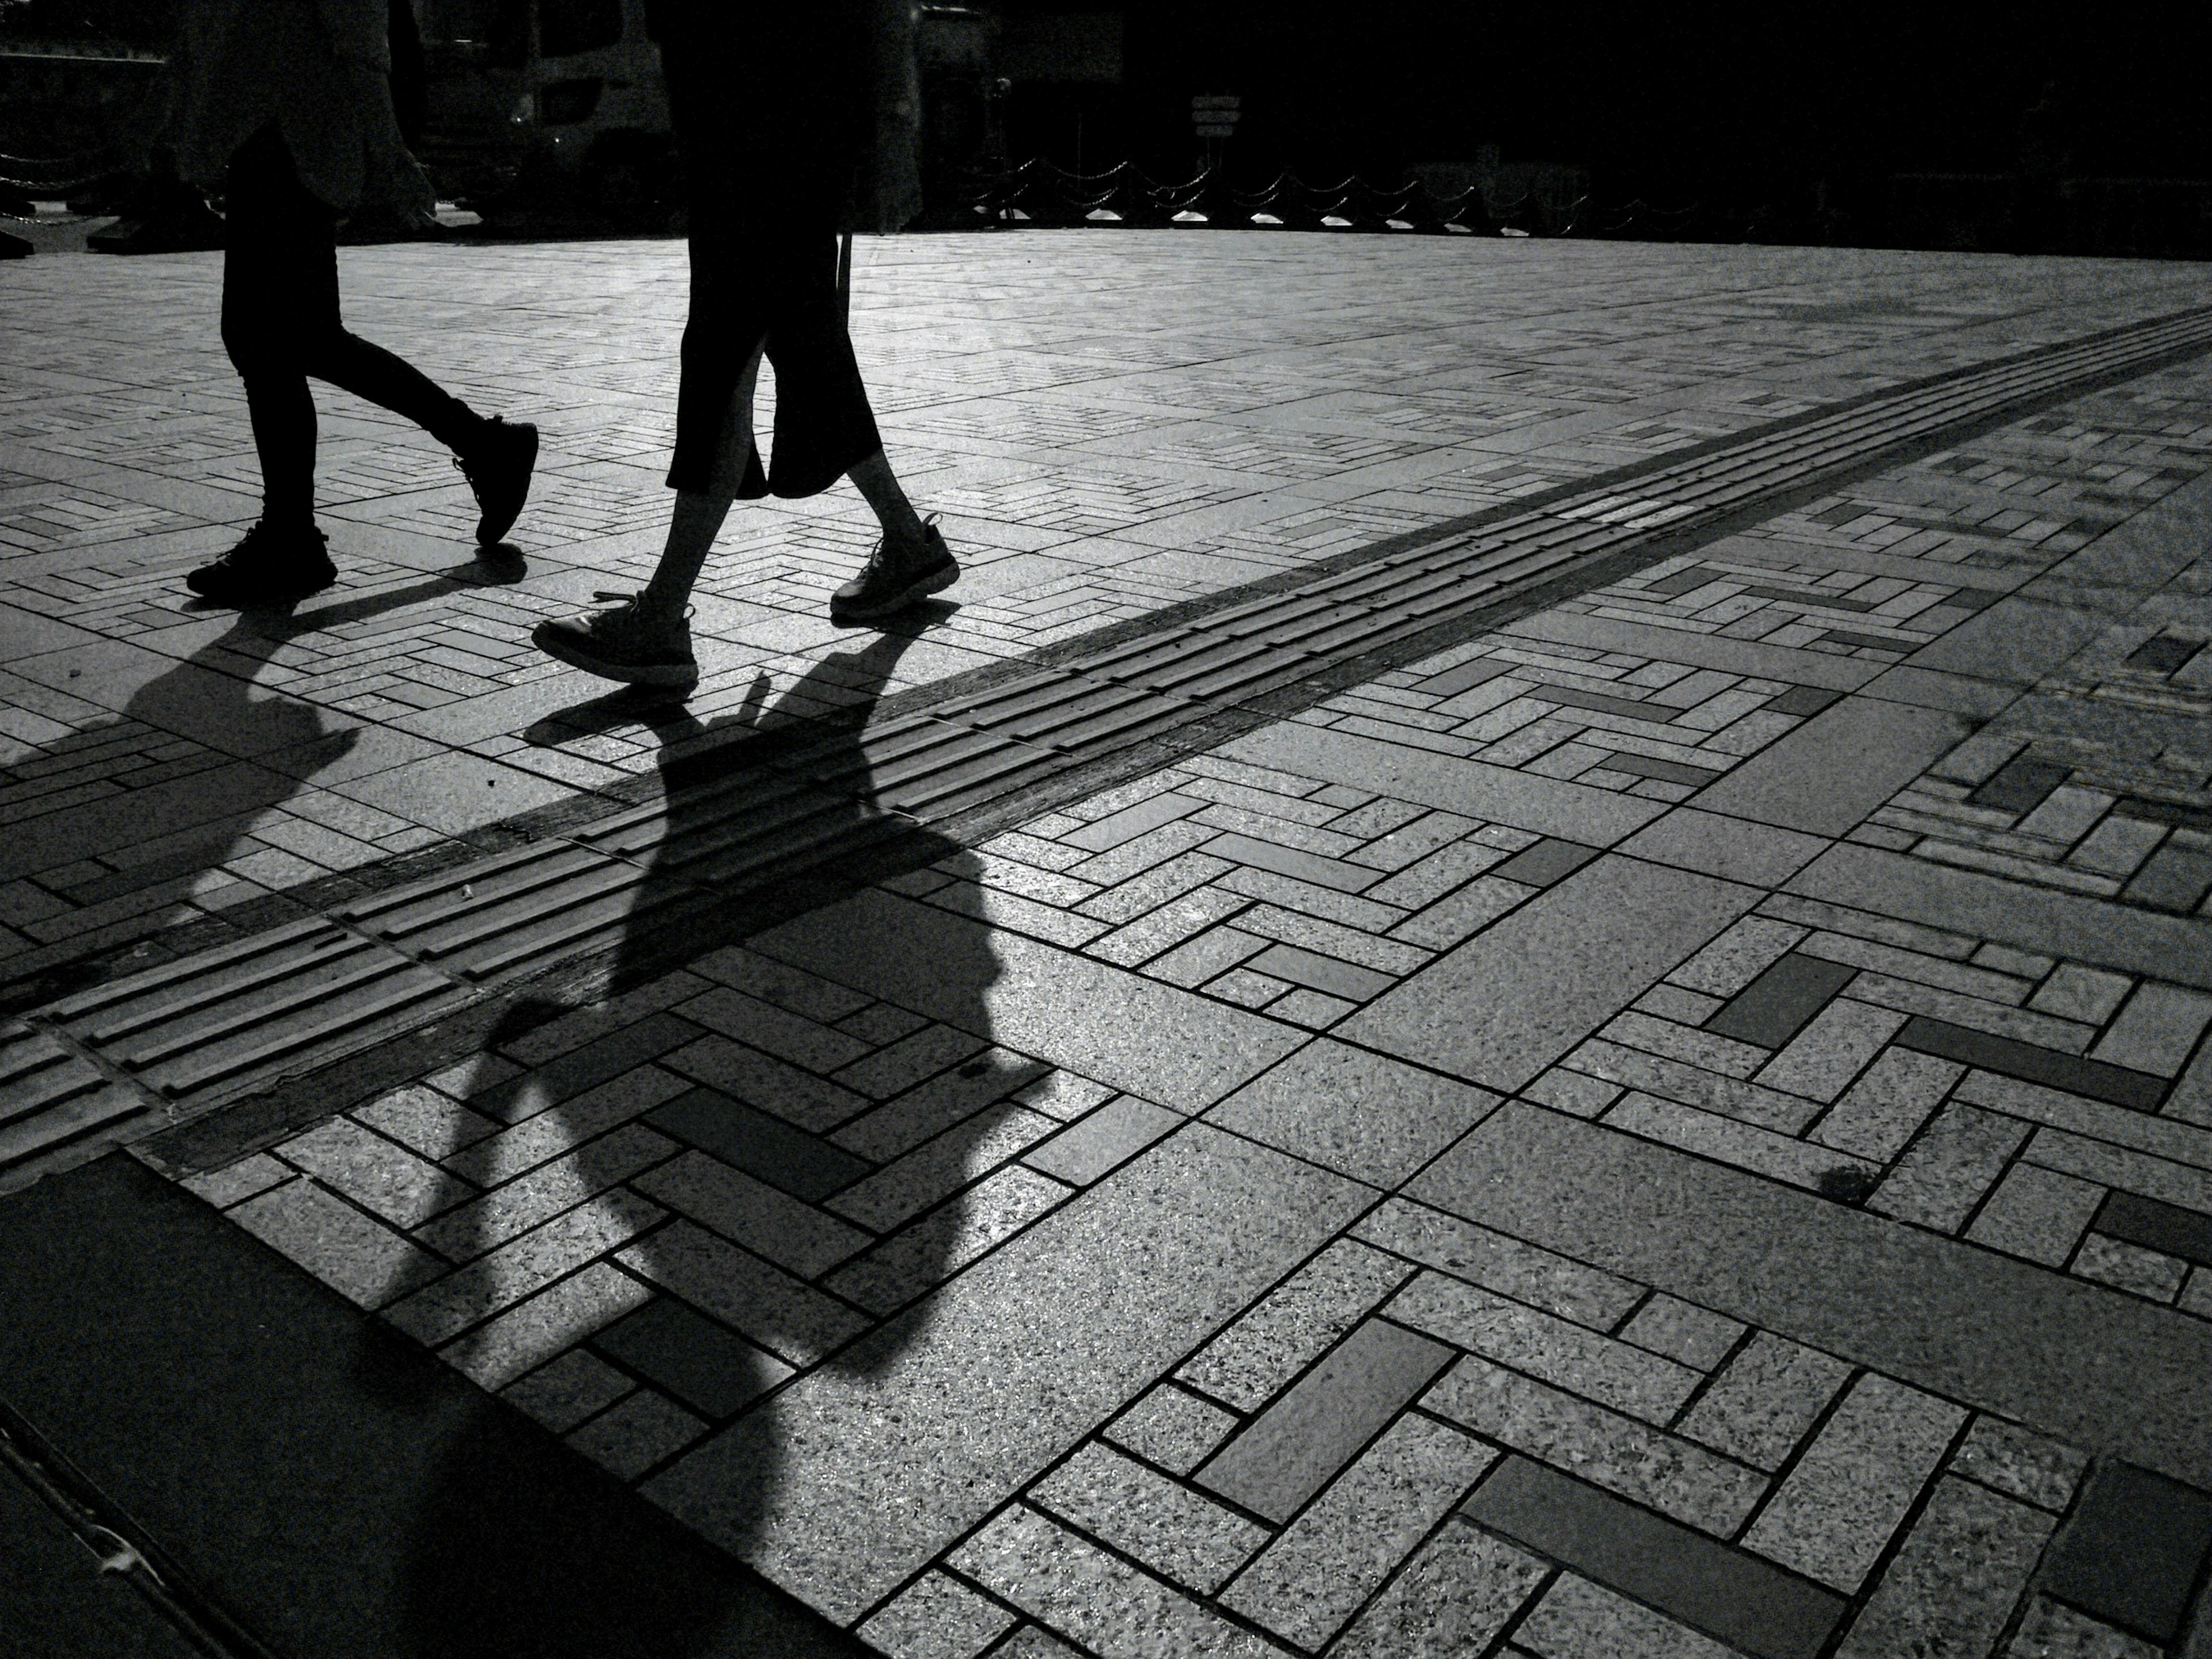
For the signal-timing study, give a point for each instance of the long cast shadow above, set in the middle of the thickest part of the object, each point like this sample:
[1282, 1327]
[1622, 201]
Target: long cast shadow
[760, 1234]
[169, 824]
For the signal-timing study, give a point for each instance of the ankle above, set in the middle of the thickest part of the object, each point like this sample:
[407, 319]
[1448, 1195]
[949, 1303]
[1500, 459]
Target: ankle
[661, 610]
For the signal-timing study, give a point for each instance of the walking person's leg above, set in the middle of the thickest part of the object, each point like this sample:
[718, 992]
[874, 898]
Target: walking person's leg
[281, 324]
[769, 293]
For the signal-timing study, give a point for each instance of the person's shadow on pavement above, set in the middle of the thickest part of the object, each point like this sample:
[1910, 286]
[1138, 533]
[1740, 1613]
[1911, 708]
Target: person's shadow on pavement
[171, 823]
[776, 1148]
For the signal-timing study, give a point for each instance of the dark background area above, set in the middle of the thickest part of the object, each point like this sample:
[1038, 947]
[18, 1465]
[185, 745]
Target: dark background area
[1669, 97]
[1934, 125]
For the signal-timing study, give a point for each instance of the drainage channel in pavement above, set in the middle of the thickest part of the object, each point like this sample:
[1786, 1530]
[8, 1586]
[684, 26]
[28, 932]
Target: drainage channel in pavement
[124, 1059]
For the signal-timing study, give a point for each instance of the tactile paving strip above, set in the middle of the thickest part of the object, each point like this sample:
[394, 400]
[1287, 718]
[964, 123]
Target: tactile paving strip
[210, 1026]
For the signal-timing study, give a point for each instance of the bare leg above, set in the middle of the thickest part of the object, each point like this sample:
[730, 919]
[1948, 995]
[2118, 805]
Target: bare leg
[880, 485]
[698, 521]
[691, 531]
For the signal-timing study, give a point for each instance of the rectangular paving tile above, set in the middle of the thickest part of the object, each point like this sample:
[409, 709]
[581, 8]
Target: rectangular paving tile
[765, 1220]
[2137, 1091]
[364, 1263]
[1249, 1363]
[1297, 1444]
[2017, 641]
[1766, 1401]
[1361, 1114]
[706, 1367]
[1173, 1530]
[845, 1483]
[1306, 1583]
[2131, 1552]
[1549, 862]
[2003, 1335]
[1705, 1583]
[1626, 1456]
[1104, 1140]
[1730, 656]
[1581, 1361]
[2033, 918]
[1456, 1246]
[1461, 1589]
[1320, 973]
[1774, 1007]
[1496, 794]
[1826, 776]
[746, 1293]
[1509, 1002]
[2167, 1228]
[1734, 849]
[1150, 1039]
[1836, 1511]
[1106, 1604]
[784, 1157]
[1955, 1582]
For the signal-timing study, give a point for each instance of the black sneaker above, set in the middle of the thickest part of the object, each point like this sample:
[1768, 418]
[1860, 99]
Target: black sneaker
[622, 644]
[268, 565]
[897, 578]
[498, 464]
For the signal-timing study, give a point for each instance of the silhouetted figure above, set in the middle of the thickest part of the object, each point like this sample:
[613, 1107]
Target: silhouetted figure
[289, 108]
[777, 116]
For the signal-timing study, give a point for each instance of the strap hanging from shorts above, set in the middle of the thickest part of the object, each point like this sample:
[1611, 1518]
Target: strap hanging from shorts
[845, 279]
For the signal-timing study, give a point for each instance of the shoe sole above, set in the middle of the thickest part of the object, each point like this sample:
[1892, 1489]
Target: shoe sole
[934, 581]
[630, 673]
[488, 535]
[260, 595]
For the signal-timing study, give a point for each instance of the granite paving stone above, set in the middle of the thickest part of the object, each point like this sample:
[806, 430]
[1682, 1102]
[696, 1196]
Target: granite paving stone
[751, 1212]
[1605, 1197]
[1577, 1620]
[1499, 1262]
[1945, 1173]
[744, 1292]
[701, 1364]
[368, 1264]
[1104, 1602]
[1706, 1584]
[1102, 1141]
[1162, 1044]
[1954, 1585]
[1696, 1336]
[1358, 1113]
[869, 1493]
[1835, 1511]
[1503, 1006]
[1299, 1443]
[1167, 1527]
[2037, 1213]
[524, 1264]
[630, 1436]
[1711, 1493]
[2054, 1631]
[937, 1617]
[2133, 1551]
[1247, 1365]
[1766, 1401]
[1578, 844]
[563, 1393]
[732, 1133]
[1172, 1428]
[2009, 1459]
[1308, 1582]
[1597, 1367]
[940, 1242]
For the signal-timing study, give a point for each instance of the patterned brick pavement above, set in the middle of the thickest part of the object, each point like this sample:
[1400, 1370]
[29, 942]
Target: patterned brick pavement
[1683, 1127]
